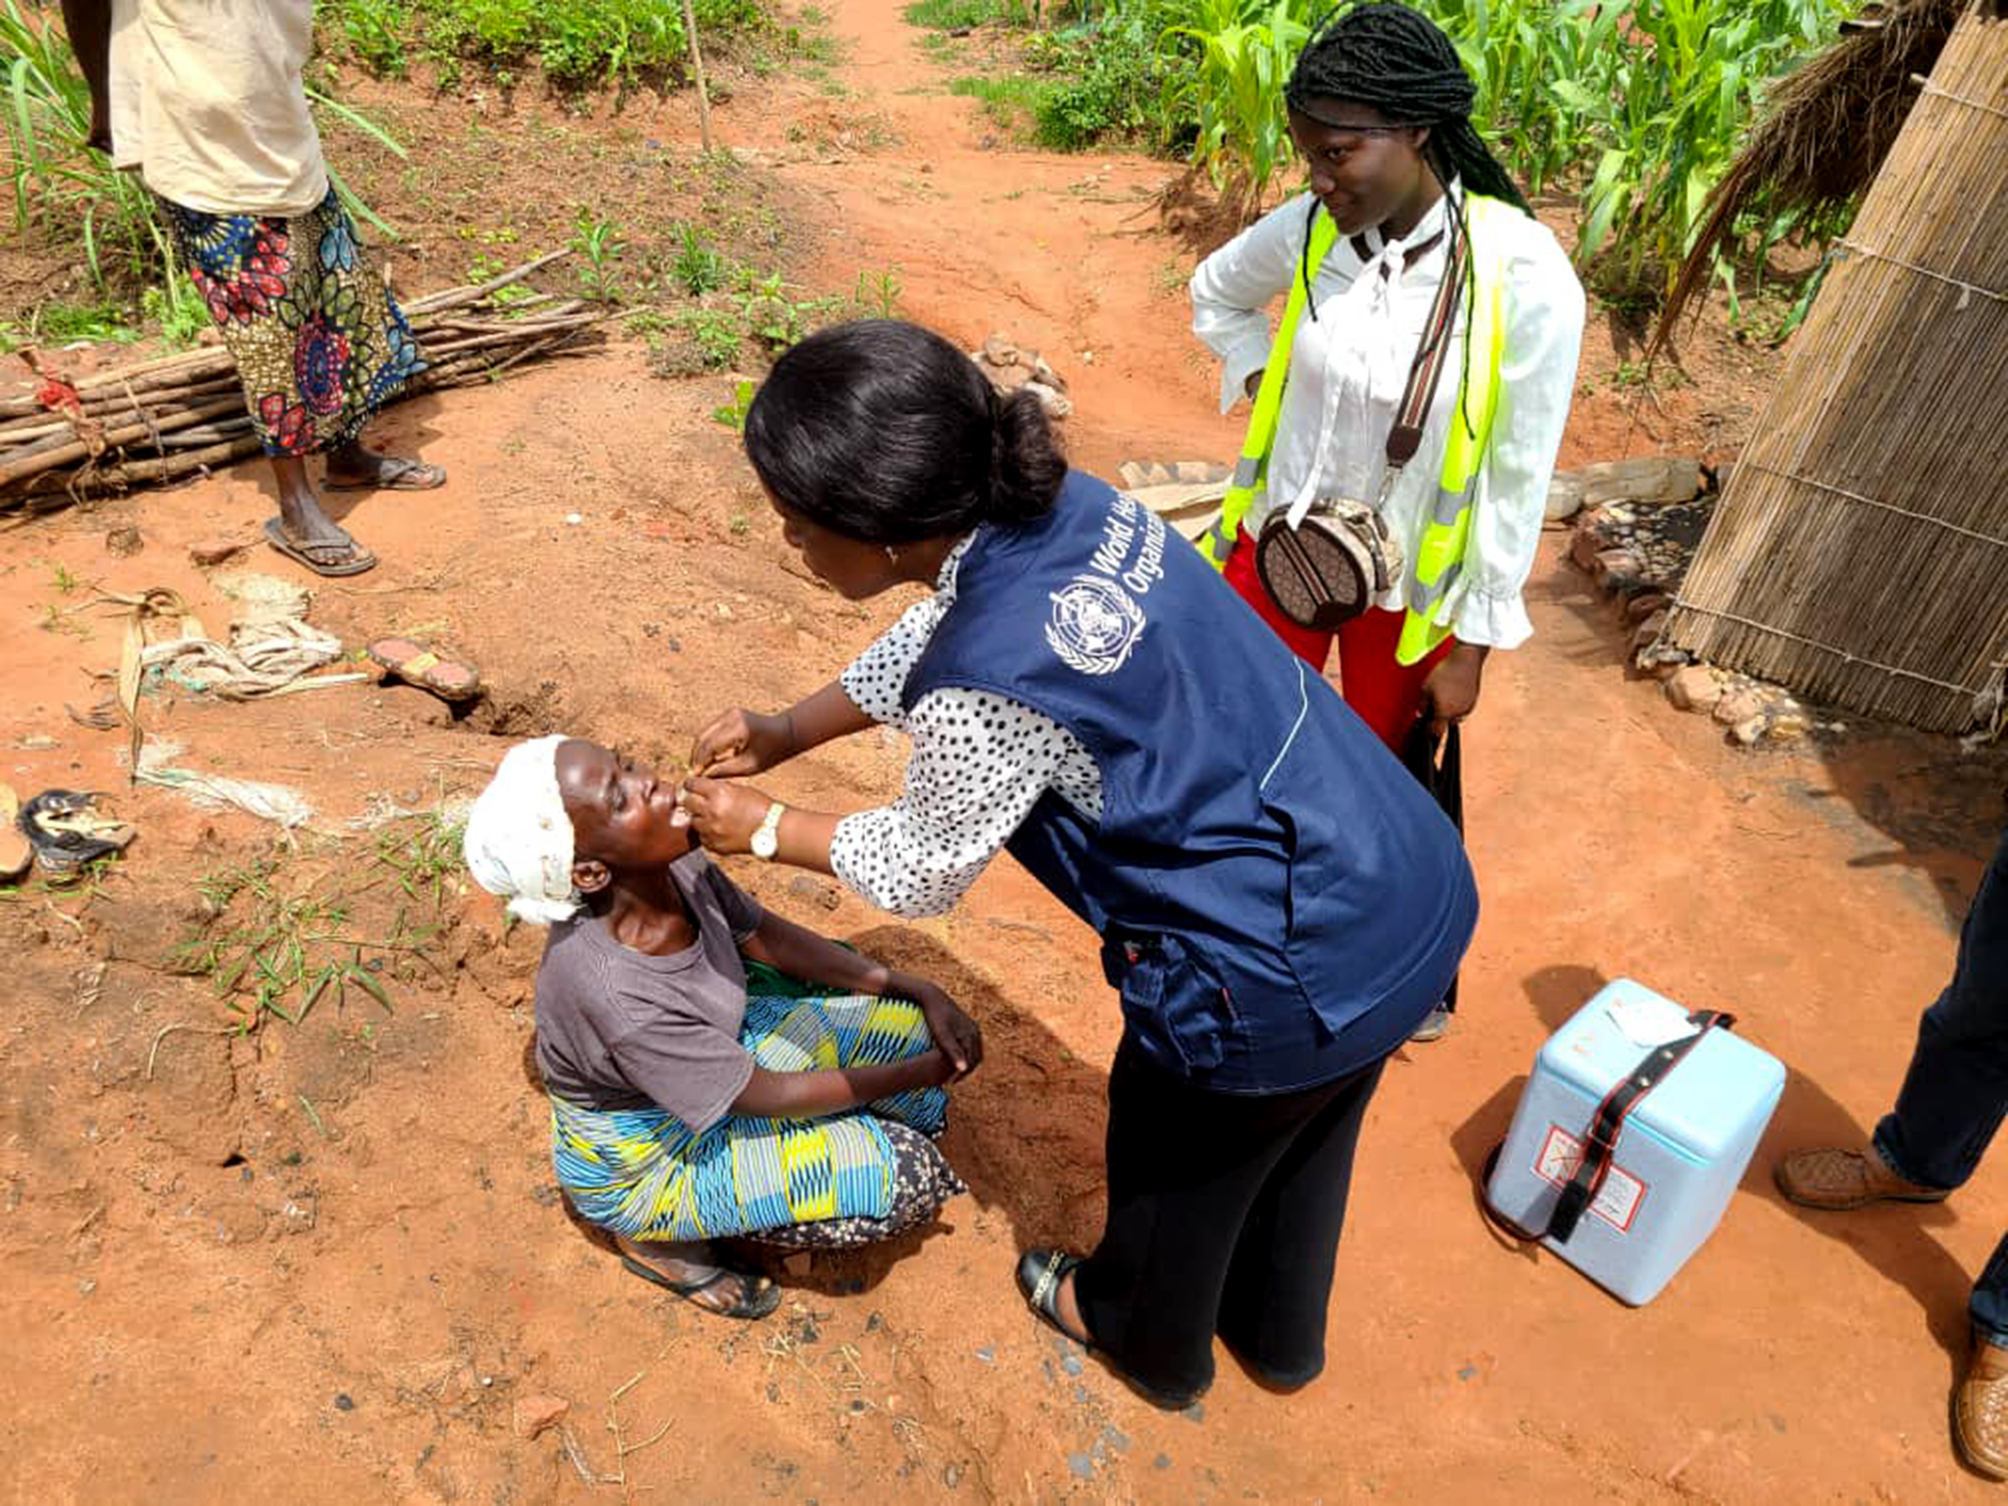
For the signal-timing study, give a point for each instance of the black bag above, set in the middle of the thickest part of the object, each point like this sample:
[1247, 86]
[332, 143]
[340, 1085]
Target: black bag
[1441, 772]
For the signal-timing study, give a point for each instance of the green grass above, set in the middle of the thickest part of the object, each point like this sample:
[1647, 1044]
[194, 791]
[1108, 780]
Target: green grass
[964, 15]
[576, 44]
[1011, 100]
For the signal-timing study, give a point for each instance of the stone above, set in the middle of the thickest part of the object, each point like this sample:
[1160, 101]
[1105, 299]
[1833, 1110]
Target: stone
[1617, 564]
[999, 351]
[1748, 732]
[1648, 480]
[124, 542]
[1788, 727]
[1586, 546]
[1739, 706]
[536, 1412]
[215, 551]
[1694, 688]
[1565, 499]
[1056, 404]
[1646, 634]
[1645, 604]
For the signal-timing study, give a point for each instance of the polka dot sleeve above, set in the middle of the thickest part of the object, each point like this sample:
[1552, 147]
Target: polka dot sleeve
[980, 762]
[876, 679]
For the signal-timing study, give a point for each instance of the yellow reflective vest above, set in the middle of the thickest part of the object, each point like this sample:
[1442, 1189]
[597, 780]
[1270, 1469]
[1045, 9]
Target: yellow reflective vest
[1439, 557]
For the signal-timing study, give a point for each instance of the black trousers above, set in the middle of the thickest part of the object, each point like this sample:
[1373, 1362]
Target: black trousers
[1224, 1217]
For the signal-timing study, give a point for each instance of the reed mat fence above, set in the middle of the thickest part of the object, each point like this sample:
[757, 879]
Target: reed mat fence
[159, 420]
[1860, 552]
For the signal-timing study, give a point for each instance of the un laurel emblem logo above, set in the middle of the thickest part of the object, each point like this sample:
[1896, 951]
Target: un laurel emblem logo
[1094, 626]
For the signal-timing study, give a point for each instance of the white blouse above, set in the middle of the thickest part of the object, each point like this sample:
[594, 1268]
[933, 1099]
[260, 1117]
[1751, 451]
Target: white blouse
[1348, 369]
[979, 764]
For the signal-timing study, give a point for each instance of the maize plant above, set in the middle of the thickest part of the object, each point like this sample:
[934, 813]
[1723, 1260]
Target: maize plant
[1639, 110]
[1236, 92]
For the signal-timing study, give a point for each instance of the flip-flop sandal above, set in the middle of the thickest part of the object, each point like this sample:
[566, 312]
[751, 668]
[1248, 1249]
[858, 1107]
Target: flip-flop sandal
[359, 560]
[418, 665]
[66, 833]
[1040, 1273]
[17, 853]
[396, 474]
[753, 1302]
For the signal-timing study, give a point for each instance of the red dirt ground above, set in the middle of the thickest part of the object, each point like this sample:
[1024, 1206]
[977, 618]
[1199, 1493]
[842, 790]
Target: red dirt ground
[350, 1308]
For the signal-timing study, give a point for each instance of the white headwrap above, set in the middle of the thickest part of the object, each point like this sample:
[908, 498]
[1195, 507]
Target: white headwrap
[519, 839]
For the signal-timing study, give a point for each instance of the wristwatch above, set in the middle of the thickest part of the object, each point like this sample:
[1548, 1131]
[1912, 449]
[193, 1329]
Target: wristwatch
[766, 839]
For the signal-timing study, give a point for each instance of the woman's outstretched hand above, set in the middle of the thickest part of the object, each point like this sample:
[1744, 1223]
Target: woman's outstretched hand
[741, 743]
[959, 1038]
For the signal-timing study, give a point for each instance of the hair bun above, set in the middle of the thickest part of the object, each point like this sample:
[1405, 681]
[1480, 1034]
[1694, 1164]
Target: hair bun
[1027, 466]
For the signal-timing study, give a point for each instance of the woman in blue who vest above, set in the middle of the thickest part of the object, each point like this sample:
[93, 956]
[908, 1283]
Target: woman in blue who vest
[1405, 203]
[1279, 902]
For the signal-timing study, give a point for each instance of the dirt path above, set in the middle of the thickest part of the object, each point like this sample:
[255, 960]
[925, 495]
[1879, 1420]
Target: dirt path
[327, 1261]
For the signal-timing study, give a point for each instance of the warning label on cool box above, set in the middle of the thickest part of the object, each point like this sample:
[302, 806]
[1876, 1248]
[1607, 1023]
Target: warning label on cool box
[1617, 1201]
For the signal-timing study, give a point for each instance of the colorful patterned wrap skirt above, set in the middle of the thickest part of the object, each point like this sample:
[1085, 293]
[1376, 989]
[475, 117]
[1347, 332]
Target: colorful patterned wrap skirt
[320, 344]
[860, 1175]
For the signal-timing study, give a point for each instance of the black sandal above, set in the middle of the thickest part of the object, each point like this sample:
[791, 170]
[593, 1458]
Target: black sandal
[753, 1301]
[1040, 1273]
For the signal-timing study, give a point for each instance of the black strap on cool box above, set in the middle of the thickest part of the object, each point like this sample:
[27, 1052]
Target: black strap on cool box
[1600, 1143]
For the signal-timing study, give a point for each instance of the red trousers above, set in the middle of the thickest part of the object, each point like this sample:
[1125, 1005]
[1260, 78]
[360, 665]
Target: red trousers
[1386, 696]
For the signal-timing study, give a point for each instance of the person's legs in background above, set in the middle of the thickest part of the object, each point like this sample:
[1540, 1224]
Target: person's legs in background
[1953, 1098]
[1388, 697]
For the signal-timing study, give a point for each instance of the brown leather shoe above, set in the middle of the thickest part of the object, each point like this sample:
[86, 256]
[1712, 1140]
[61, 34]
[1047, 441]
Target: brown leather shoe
[1838, 1180]
[1980, 1411]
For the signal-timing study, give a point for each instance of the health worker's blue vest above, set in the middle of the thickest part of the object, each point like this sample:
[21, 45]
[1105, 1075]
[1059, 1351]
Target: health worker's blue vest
[1279, 900]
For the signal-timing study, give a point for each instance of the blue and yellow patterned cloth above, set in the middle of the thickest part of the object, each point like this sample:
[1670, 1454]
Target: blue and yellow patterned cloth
[641, 1172]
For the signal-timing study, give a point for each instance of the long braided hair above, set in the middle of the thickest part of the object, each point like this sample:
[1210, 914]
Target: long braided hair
[1386, 55]
[1382, 53]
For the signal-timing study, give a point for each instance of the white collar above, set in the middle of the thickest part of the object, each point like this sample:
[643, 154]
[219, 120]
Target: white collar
[951, 567]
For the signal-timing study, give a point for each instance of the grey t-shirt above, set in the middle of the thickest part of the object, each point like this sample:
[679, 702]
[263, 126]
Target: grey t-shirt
[619, 1029]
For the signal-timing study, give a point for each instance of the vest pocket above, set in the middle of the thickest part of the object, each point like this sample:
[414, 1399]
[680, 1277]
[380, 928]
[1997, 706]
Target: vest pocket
[1171, 1001]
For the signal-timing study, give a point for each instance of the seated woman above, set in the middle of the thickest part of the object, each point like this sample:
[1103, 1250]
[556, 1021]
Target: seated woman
[714, 1070]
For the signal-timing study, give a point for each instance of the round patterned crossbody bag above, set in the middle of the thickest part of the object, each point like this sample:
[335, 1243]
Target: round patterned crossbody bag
[1325, 564]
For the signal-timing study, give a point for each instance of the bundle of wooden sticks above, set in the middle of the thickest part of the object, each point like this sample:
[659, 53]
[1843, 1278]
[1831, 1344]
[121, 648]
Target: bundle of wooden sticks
[167, 418]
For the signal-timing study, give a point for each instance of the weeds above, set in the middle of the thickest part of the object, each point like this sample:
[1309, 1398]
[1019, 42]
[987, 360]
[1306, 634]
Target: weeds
[599, 244]
[716, 333]
[733, 416]
[963, 15]
[770, 317]
[699, 267]
[376, 32]
[579, 44]
[1011, 101]
[878, 295]
[279, 947]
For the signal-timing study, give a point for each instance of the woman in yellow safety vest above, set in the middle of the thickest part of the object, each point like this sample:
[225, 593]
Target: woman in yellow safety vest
[1380, 108]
